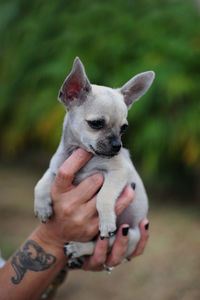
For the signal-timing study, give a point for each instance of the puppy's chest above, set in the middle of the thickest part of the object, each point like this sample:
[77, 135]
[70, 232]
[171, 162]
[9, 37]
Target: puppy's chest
[95, 165]
[105, 166]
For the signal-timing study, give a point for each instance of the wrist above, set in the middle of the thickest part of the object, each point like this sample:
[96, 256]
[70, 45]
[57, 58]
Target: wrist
[49, 244]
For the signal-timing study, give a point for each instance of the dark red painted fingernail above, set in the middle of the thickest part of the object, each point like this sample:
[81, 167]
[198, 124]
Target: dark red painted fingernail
[146, 226]
[125, 231]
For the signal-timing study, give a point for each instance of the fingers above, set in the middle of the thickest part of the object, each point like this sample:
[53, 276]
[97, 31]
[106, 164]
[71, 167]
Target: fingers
[90, 206]
[144, 230]
[119, 247]
[125, 199]
[100, 257]
[69, 168]
[88, 187]
[96, 261]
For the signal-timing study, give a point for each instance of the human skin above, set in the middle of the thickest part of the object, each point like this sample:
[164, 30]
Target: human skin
[75, 218]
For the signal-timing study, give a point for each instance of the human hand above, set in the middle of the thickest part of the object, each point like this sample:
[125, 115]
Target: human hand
[75, 216]
[100, 258]
[144, 231]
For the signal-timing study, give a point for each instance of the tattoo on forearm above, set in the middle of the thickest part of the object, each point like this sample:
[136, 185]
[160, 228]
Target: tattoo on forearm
[32, 257]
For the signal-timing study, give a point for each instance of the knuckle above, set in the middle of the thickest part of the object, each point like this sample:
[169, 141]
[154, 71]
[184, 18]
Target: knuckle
[78, 221]
[68, 210]
[96, 179]
[119, 208]
[100, 260]
[115, 261]
[81, 154]
[92, 231]
[63, 174]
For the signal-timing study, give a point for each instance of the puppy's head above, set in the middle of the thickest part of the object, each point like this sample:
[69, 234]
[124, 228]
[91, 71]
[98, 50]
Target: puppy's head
[97, 114]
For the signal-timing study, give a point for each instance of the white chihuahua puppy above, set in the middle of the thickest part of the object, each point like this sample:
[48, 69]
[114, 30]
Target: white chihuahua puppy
[95, 120]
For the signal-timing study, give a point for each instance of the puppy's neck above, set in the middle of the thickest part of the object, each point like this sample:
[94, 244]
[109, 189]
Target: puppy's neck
[70, 141]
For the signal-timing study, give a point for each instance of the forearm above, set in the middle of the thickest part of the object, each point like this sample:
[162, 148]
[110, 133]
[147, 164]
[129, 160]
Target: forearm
[31, 269]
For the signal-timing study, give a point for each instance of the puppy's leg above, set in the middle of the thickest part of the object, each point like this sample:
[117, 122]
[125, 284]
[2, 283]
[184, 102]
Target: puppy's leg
[114, 183]
[76, 249]
[43, 202]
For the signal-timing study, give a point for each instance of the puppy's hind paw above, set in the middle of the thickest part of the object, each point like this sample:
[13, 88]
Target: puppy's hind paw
[72, 250]
[75, 263]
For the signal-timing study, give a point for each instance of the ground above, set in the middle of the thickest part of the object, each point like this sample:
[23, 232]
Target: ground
[169, 269]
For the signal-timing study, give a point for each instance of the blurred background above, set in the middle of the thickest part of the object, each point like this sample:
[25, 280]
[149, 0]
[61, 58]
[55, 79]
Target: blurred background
[115, 39]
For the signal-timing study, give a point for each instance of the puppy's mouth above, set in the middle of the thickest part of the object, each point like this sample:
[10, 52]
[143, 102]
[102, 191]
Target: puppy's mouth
[103, 154]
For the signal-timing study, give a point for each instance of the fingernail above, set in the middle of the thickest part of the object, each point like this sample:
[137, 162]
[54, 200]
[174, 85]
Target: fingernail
[133, 185]
[146, 226]
[125, 231]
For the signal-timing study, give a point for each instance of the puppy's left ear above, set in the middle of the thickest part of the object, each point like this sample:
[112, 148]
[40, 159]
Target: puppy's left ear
[137, 87]
[76, 86]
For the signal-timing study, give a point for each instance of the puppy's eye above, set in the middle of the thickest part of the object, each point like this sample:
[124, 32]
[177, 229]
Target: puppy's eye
[96, 124]
[123, 128]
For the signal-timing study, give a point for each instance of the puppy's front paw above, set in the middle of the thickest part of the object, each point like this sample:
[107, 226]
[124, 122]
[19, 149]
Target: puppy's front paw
[43, 209]
[73, 250]
[107, 229]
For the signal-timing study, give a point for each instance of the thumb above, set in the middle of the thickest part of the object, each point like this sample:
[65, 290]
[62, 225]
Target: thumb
[69, 168]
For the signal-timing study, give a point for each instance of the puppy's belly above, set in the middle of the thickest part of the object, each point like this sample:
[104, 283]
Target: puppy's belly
[126, 217]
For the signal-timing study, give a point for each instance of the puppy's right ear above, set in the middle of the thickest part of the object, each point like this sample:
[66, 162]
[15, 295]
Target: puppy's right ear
[76, 86]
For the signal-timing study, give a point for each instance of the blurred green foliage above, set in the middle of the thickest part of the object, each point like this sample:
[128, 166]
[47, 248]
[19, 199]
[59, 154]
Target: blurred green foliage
[115, 39]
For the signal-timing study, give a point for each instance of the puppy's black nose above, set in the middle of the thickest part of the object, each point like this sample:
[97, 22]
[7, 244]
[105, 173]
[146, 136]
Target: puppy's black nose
[116, 146]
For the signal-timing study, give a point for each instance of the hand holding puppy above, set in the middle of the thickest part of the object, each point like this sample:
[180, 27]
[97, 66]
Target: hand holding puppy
[76, 218]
